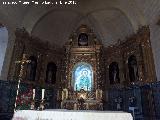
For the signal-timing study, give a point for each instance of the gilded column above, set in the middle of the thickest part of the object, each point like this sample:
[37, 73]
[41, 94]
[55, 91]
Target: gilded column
[149, 68]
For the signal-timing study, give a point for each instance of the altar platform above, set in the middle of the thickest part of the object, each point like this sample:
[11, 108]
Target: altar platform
[71, 115]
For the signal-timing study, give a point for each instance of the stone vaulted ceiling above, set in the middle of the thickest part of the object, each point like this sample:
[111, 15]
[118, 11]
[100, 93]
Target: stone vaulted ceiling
[110, 19]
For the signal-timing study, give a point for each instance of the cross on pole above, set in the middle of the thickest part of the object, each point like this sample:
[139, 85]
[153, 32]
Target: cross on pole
[22, 63]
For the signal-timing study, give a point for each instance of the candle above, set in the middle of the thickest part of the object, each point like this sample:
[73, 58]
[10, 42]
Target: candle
[87, 106]
[33, 94]
[66, 93]
[101, 94]
[76, 87]
[43, 90]
[75, 106]
[62, 95]
[96, 94]
[61, 105]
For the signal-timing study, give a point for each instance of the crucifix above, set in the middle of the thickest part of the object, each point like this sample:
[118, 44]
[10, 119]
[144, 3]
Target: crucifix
[22, 63]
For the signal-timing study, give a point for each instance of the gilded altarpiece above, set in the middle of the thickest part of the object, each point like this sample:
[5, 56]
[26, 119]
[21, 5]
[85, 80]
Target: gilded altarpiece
[134, 58]
[83, 81]
[43, 52]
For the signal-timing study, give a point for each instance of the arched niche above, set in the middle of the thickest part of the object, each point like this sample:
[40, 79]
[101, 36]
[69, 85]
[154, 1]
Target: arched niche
[82, 77]
[114, 73]
[51, 73]
[31, 68]
[3, 45]
[133, 68]
[83, 39]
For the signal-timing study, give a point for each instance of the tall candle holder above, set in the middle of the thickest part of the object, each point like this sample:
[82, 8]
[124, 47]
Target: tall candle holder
[33, 101]
[42, 101]
[42, 104]
[32, 105]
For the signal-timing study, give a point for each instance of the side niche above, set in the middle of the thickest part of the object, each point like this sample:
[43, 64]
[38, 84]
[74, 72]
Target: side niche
[51, 73]
[83, 37]
[31, 69]
[133, 68]
[114, 73]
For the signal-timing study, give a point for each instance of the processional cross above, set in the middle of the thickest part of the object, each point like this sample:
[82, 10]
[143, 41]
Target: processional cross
[22, 63]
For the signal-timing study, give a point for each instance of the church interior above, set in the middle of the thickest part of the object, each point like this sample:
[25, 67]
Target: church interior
[80, 55]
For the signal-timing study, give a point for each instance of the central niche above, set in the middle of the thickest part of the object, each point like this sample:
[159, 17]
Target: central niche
[82, 77]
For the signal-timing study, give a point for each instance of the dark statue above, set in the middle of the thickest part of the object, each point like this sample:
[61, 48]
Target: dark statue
[119, 102]
[83, 39]
[114, 73]
[31, 68]
[51, 73]
[133, 69]
[132, 101]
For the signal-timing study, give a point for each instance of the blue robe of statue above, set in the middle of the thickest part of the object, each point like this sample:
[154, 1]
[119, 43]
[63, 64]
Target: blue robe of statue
[84, 82]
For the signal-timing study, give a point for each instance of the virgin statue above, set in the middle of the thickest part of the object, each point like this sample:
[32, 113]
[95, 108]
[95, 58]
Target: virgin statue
[84, 80]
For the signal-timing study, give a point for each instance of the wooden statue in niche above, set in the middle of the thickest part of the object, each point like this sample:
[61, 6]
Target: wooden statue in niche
[51, 73]
[133, 68]
[83, 39]
[31, 68]
[114, 73]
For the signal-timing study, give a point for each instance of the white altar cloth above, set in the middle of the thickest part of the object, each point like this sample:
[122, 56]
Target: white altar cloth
[70, 115]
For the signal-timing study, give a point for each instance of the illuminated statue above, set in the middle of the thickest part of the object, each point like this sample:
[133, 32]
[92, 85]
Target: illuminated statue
[84, 80]
[82, 77]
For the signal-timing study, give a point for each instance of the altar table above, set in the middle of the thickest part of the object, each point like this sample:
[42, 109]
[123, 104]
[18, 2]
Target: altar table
[71, 115]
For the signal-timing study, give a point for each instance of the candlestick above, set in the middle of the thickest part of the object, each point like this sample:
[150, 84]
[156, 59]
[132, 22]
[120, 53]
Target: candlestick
[34, 93]
[43, 90]
[32, 105]
[42, 105]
